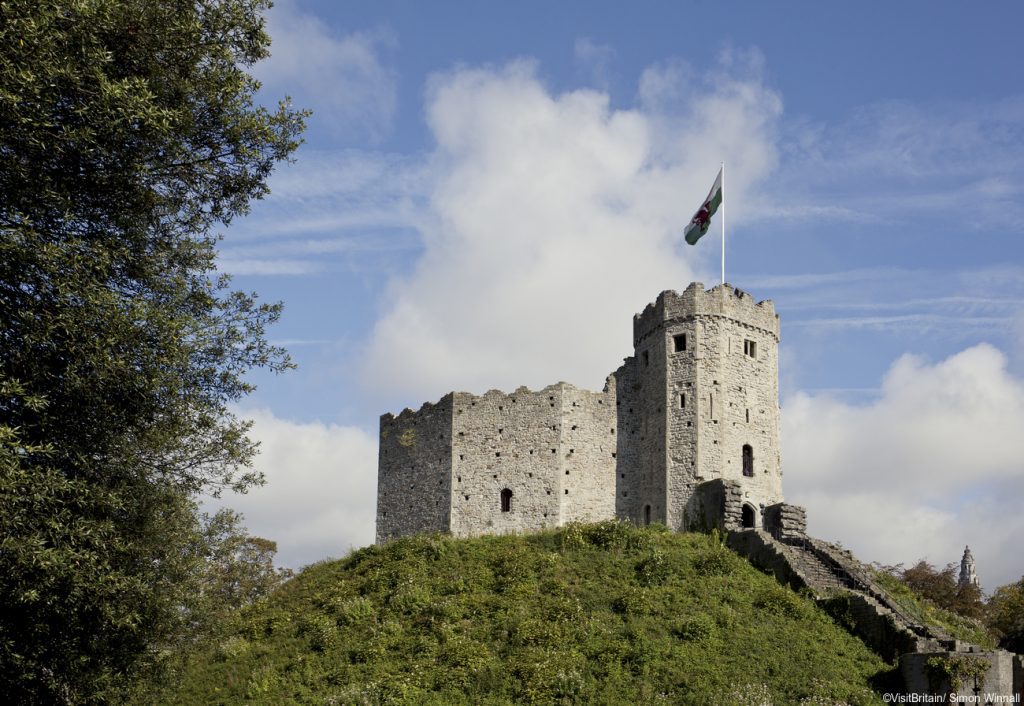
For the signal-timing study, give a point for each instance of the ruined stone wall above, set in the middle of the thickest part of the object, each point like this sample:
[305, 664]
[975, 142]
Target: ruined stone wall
[414, 471]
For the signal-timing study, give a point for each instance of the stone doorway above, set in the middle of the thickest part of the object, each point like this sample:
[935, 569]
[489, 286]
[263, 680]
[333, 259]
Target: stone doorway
[749, 518]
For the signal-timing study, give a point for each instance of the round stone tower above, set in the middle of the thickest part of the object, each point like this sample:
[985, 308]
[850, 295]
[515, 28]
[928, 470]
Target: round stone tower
[707, 378]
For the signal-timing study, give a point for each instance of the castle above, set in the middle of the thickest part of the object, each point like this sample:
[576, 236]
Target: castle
[685, 433]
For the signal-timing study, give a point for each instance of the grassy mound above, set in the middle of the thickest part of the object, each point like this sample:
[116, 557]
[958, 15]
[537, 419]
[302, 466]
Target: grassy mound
[589, 614]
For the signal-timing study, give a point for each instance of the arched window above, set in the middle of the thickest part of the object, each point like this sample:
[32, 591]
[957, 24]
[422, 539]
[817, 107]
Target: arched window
[506, 500]
[748, 516]
[647, 515]
[748, 460]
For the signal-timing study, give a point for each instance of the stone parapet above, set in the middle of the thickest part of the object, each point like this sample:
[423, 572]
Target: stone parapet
[721, 301]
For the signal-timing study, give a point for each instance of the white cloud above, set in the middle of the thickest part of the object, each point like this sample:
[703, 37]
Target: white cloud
[320, 497]
[341, 78]
[960, 161]
[594, 60]
[557, 218]
[330, 207]
[932, 464]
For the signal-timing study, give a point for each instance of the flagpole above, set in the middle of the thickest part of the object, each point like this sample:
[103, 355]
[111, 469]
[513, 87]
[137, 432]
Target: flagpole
[723, 222]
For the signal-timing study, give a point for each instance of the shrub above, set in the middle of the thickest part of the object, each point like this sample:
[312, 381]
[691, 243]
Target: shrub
[653, 569]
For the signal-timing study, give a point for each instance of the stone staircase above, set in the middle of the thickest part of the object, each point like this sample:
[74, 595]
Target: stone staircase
[847, 590]
[819, 577]
[843, 587]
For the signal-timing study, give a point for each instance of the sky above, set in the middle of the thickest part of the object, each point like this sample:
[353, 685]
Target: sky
[489, 191]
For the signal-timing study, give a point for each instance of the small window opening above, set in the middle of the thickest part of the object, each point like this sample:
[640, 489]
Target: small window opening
[506, 500]
[750, 348]
[647, 515]
[748, 460]
[566, 491]
[646, 358]
[682, 401]
[679, 342]
[748, 415]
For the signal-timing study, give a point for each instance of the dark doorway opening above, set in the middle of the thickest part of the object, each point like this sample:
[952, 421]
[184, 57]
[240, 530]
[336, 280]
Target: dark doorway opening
[748, 516]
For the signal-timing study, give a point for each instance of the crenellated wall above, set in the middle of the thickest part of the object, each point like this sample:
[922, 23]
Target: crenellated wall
[506, 441]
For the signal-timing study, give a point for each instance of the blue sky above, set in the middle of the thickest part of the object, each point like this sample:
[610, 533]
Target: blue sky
[489, 191]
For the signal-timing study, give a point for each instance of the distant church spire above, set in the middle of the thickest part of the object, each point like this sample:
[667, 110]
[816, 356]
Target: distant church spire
[968, 574]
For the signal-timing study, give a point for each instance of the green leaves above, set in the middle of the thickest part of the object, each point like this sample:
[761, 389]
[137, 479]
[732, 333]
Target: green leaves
[128, 133]
[389, 624]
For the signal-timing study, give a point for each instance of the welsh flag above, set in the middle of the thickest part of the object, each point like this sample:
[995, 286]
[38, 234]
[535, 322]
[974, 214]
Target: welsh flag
[701, 220]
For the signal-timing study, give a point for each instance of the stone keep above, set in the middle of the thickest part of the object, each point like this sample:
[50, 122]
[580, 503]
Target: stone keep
[685, 432]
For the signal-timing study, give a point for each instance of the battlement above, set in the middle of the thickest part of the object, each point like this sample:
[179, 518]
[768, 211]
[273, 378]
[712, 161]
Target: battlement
[723, 300]
[491, 397]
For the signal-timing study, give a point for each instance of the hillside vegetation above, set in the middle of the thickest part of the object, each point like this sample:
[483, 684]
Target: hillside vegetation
[589, 614]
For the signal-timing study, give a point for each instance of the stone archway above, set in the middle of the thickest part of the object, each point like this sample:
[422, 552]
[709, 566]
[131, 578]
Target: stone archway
[749, 516]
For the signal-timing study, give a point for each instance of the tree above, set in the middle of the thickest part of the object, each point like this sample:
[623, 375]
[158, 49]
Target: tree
[128, 134]
[238, 569]
[942, 588]
[1005, 615]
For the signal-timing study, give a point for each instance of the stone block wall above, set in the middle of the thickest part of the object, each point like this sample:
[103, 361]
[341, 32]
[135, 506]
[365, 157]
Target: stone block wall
[414, 471]
[506, 441]
[784, 521]
[1000, 683]
[708, 378]
[589, 449]
[553, 449]
[700, 388]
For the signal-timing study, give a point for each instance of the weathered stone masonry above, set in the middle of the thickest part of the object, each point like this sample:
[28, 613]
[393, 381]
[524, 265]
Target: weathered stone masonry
[693, 411]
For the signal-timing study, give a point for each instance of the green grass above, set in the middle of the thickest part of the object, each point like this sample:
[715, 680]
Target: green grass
[590, 614]
[927, 613]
